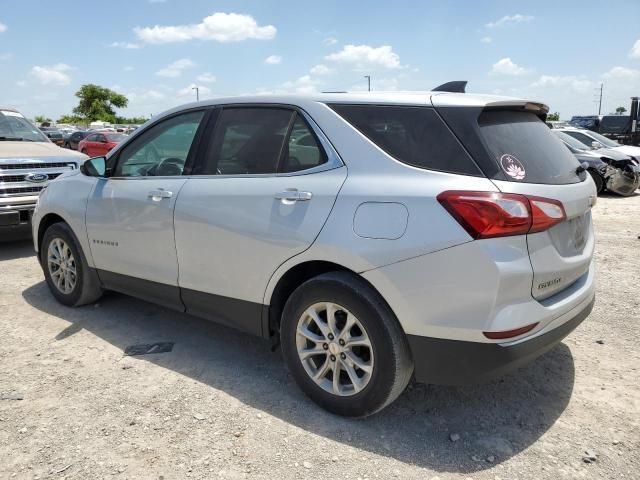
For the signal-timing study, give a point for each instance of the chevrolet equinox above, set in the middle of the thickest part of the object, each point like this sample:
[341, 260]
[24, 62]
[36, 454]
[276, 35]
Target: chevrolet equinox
[375, 237]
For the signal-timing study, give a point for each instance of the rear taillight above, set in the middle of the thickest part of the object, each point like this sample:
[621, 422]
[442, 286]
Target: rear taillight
[495, 214]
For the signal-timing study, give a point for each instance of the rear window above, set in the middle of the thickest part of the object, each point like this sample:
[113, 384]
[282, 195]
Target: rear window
[416, 136]
[116, 137]
[525, 149]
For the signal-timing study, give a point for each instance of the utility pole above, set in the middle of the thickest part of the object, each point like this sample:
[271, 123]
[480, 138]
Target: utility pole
[197, 93]
[600, 99]
[368, 77]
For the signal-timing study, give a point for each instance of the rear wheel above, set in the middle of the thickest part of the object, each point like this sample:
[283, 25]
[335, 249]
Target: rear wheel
[66, 271]
[598, 180]
[343, 345]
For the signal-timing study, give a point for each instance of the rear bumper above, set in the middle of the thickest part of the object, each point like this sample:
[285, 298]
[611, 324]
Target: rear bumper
[454, 362]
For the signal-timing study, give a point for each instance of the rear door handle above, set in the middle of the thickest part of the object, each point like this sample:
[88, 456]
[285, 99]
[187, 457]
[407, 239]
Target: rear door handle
[159, 194]
[293, 195]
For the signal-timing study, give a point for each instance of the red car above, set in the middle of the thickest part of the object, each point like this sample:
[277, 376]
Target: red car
[99, 143]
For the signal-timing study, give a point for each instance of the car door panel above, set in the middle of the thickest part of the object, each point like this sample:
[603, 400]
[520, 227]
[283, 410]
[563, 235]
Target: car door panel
[130, 214]
[131, 231]
[232, 233]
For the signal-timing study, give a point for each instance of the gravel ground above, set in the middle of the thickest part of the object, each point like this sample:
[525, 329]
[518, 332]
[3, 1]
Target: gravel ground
[221, 405]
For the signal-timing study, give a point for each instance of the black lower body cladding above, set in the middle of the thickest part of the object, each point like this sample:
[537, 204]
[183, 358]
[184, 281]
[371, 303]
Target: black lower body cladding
[454, 362]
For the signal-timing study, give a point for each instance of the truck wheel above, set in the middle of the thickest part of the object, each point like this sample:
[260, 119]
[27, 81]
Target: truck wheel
[344, 346]
[66, 271]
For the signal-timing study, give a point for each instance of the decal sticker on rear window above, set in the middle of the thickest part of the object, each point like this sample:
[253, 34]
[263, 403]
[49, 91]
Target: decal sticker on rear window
[512, 167]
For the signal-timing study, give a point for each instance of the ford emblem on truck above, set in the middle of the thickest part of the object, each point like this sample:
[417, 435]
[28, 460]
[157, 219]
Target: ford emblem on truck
[36, 177]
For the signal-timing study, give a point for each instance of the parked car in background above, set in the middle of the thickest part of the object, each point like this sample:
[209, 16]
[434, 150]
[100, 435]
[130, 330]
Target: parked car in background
[449, 238]
[54, 135]
[595, 140]
[73, 140]
[609, 168]
[28, 162]
[557, 124]
[100, 143]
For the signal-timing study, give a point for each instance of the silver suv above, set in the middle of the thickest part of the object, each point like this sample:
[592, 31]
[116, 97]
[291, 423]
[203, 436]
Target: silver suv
[28, 160]
[375, 237]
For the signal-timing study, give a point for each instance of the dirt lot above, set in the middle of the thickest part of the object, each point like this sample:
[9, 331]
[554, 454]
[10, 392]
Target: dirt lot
[221, 405]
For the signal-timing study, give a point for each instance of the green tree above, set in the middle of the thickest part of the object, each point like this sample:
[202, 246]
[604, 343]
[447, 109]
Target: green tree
[553, 117]
[620, 110]
[41, 119]
[130, 121]
[98, 103]
[72, 119]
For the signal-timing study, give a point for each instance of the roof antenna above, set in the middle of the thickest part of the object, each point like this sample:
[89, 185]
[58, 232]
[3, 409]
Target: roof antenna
[457, 86]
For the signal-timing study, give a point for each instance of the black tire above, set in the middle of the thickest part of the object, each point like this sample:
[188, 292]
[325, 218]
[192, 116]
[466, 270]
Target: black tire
[598, 180]
[393, 366]
[87, 286]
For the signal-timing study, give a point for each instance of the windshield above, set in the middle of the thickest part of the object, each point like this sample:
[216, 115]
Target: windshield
[572, 142]
[13, 126]
[604, 140]
[115, 137]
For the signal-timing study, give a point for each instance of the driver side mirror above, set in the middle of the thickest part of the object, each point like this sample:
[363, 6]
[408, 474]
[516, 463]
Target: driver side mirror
[94, 167]
[596, 145]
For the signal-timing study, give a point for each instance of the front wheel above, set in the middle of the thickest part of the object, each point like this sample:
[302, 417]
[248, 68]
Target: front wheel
[65, 267]
[598, 180]
[344, 346]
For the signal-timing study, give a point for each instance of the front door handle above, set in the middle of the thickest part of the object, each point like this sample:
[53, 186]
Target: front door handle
[159, 194]
[293, 195]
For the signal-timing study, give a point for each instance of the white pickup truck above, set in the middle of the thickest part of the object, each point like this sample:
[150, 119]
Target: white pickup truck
[28, 161]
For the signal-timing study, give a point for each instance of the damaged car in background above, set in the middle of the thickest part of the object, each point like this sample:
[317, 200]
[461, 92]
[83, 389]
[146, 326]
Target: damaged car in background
[611, 170]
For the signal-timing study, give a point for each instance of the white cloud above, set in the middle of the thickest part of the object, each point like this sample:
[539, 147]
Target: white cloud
[221, 27]
[206, 77]
[21, 83]
[126, 45]
[3, 27]
[320, 70]
[330, 41]
[273, 60]
[510, 20]
[6, 56]
[128, 69]
[52, 74]
[486, 39]
[175, 69]
[505, 66]
[635, 50]
[572, 82]
[157, 1]
[622, 73]
[145, 96]
[304, 84]
[365, 57]
[189, 90]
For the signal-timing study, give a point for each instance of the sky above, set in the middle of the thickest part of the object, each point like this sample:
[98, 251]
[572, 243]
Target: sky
[156, 51]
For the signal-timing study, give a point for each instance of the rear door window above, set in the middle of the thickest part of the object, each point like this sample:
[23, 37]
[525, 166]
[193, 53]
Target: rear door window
[416, 136]
[525, 149]
[261, 140]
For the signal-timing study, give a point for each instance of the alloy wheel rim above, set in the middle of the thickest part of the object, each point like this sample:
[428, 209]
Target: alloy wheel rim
[334, 349]
[62, 266]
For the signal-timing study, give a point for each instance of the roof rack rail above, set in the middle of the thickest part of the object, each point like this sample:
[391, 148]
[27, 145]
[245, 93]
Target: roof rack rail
[457, 86]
